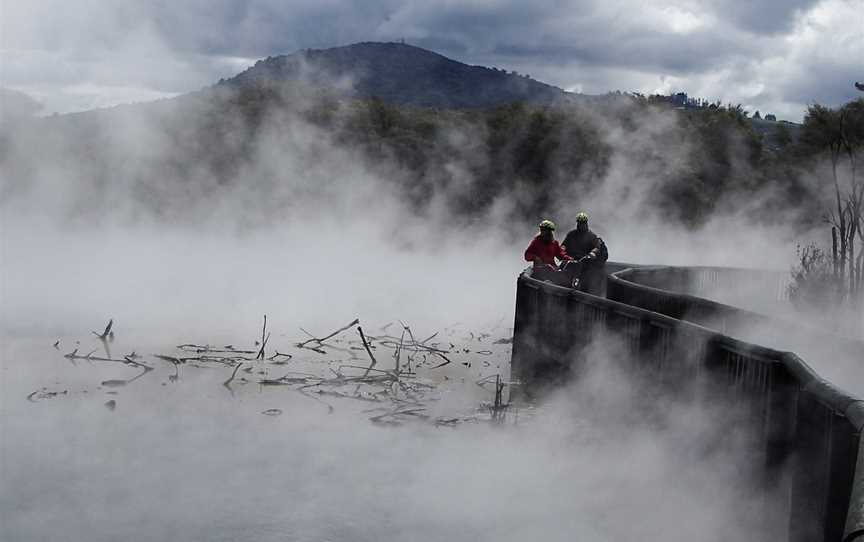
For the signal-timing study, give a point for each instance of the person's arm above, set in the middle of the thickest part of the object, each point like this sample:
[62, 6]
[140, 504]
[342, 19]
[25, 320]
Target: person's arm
[565, 243]
[602, 251]
[562, 255]
[531, 253]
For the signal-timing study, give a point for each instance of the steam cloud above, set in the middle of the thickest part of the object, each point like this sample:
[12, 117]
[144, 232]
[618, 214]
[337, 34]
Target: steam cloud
[311, 233]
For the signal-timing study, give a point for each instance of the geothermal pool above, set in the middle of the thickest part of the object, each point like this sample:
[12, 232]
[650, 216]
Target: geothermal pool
[178, 456]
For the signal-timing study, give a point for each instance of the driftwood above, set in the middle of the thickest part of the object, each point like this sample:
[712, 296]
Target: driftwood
[402, 394]
[368, 350]
[397, 355]
[498, 408]
[128, 360]
[122, 382]
[320, 341]
[107, 334]
[279, 358]
[206, 349]
[224, 360]
[442, 364]
[227, 383]
[263, 340]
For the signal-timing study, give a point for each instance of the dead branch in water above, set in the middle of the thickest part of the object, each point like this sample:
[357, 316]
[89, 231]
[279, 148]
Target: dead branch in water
[368, 350]
[263, 339]
[263, 345]
[170, 359]
[397, 355]
[224, 360]
[122, 382]
[367, 369]
[320, 341]
[413, 343]
[73, 355]
[498, 408]
[393, 342]
[275, 357]
[105, 335]
[287, 379]
[206, 349]
[445, 362]
[227, 383]
[401, 393]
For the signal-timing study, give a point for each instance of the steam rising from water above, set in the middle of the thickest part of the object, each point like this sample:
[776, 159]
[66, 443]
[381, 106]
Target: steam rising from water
[310, 235]
[188, 462]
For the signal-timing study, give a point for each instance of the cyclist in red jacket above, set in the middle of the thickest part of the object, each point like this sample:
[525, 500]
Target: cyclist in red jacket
[543, 251]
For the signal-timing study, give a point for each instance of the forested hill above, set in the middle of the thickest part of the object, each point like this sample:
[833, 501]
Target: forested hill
[401, 74]
[521, 157]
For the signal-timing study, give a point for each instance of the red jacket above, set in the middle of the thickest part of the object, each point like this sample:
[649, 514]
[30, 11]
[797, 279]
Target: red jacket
[547, 252]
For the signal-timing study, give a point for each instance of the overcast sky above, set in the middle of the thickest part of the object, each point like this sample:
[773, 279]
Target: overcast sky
[776, 56]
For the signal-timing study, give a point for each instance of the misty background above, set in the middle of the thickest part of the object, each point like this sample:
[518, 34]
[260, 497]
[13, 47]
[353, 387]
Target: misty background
[187, 219]
[107, 221]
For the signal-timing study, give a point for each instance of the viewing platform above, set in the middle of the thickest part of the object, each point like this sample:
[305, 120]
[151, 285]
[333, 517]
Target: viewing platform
[804, 431]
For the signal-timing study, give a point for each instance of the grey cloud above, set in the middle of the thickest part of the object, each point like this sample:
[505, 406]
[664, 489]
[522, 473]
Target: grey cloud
[643, 52]
[256, 28]
[827, 83]
[590, 36]
[764, 17]
[178, 47]
[266, 27]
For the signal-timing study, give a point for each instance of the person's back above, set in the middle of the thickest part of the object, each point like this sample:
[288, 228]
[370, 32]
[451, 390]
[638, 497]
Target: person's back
[583, 244]
[579, 244]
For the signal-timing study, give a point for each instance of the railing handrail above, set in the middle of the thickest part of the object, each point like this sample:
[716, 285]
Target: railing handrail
[796, 365]
[624, 277]
[840, 402]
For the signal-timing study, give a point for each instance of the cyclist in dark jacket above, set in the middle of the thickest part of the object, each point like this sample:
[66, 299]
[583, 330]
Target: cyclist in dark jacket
[583, 244]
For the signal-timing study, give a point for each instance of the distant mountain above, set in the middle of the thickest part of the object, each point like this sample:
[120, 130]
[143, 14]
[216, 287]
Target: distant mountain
[401, 74]
[474, 136]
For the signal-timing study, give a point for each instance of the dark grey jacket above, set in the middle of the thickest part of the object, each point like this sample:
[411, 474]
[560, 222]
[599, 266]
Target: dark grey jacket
[579, 243]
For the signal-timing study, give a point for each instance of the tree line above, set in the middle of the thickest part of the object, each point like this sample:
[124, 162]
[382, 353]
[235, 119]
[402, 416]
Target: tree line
[834, 276]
